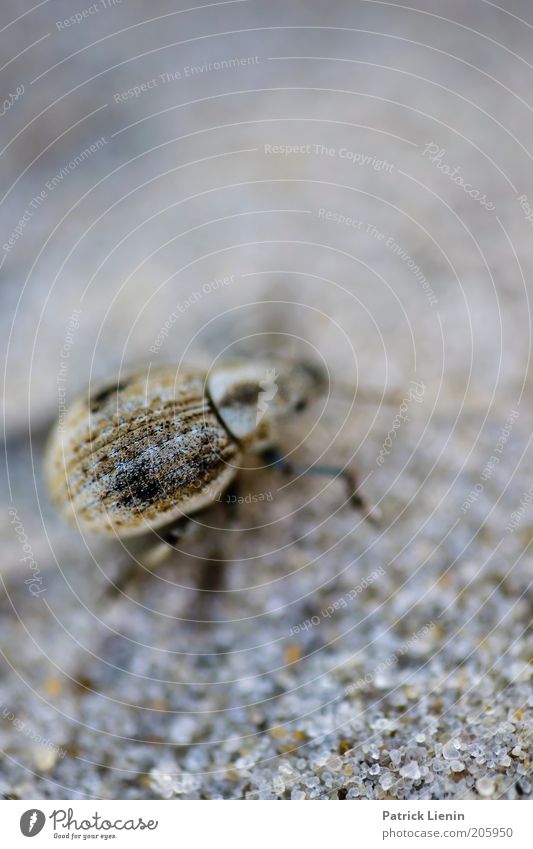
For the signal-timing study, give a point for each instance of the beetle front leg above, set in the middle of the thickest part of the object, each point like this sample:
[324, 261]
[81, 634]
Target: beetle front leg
[145, 558]
[230, 499]
[172, 535]
[212, 574]
[349, 476]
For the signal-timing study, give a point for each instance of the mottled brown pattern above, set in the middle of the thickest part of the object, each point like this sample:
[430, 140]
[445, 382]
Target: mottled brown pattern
[139, 453]
[241, 393]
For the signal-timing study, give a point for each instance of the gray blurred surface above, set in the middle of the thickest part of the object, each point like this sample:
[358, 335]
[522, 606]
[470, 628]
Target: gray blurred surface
[157, 694]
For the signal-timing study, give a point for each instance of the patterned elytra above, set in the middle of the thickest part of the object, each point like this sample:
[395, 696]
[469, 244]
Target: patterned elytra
[158, 445]
[140, 453]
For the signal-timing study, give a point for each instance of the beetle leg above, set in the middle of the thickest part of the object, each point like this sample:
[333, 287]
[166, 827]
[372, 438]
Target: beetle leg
[174, 533]
[150, 556]
[349, 477]
[212, 574]
[229, 500]
[127, 574]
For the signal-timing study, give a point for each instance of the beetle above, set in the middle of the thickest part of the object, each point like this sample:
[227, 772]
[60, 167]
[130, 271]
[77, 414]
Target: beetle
[146, 451]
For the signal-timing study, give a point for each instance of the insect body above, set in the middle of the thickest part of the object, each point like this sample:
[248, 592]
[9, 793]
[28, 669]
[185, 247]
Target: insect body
[159, 445]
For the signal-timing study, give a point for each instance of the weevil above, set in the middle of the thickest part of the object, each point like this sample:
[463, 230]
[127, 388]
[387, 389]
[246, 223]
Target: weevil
[148, 450]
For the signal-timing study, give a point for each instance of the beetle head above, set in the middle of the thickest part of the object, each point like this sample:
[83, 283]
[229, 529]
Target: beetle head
[300, 382]
[250, 396]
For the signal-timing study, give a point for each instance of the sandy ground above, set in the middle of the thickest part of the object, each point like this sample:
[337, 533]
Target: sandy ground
[349, 181]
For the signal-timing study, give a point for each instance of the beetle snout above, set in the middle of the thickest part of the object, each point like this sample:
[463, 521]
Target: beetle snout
[316, 375]
[308, 381]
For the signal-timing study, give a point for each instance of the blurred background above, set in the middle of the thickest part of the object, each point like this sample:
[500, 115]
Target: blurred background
[348, 180]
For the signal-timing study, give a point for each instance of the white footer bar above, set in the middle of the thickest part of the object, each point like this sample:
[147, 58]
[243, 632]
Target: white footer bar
[266, 825]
